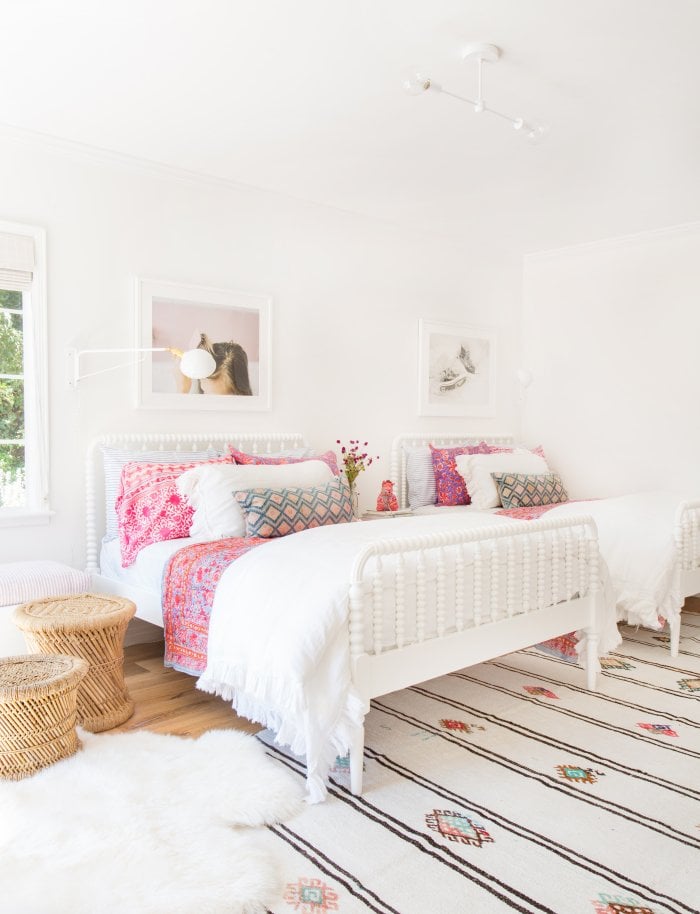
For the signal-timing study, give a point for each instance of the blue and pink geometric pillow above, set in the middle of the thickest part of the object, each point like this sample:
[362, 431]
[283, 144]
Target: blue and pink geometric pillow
[279, 512]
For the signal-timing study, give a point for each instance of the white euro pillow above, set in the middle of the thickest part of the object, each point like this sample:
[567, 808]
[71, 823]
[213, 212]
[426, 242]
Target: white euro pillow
[209, 490]
[476, 469]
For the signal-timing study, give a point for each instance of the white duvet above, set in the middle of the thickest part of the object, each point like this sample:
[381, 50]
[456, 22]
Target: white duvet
[278, 637]
[636, 539]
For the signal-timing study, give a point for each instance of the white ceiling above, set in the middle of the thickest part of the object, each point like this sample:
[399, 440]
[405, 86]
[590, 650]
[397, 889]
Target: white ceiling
[303, 97]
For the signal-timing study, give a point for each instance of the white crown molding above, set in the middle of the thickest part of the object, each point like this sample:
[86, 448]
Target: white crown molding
[98, 155]
[669, 231]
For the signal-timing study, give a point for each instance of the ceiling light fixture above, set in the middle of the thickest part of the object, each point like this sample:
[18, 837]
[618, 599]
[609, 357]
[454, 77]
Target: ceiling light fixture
[415, 82]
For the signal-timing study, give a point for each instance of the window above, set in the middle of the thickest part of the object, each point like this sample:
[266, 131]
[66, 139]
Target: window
[23, 395]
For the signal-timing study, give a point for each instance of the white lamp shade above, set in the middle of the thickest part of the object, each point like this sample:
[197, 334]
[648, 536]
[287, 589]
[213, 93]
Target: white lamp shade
[197, 363]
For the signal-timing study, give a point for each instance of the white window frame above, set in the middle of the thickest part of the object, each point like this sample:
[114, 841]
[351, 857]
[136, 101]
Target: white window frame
[36, 389]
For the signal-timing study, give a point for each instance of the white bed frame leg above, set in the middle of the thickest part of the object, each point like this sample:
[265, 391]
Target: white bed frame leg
[357, 758]
[675, 629]
[592, 662]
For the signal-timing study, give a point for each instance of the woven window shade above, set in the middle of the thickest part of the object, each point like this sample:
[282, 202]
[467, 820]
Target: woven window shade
[17, 260]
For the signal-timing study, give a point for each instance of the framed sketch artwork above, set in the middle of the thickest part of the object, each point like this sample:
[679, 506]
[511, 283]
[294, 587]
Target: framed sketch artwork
[181, 320]
[456, 370]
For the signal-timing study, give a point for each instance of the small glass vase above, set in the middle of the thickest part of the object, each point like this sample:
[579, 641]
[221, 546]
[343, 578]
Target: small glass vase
[355, 502]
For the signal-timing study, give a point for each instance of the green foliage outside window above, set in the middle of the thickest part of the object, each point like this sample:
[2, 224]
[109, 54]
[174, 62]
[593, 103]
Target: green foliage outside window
[11, 391]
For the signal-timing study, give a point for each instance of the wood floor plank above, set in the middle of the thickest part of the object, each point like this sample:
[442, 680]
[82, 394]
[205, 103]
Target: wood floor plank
[167, 701]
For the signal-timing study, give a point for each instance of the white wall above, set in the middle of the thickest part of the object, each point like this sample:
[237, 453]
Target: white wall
[348, 293]
[610, 332]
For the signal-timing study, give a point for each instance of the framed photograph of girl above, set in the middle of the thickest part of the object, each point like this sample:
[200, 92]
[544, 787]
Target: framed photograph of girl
[456, 370]
[213, 347]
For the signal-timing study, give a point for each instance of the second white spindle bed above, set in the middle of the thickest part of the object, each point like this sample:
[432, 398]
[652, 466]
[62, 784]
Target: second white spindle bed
[683, 528]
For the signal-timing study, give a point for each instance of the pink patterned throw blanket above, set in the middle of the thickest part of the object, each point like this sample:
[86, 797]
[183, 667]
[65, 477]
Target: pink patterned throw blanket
[563, 647]
[189, 584]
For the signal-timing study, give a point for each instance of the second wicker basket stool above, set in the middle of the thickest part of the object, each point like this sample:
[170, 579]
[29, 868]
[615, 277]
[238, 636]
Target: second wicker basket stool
[90, 626]
[37, 712]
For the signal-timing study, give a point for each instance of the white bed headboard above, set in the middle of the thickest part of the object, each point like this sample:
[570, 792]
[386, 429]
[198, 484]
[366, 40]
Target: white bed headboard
[254, 442]
[443, 439]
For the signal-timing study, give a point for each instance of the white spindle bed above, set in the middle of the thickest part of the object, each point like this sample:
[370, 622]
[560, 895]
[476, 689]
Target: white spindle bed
[426, 604]
[686, 524]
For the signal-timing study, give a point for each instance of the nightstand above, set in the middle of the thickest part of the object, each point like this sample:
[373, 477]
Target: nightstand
[385, 515]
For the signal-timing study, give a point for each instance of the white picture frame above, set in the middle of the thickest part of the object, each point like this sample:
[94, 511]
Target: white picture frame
[456, 370]
[238, 328]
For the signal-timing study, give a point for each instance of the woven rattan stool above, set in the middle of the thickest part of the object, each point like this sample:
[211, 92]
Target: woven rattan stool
[90, 626]
[37, 711]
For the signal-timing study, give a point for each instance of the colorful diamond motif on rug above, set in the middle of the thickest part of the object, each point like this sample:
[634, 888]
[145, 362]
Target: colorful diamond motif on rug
[616, 904]
[540, 690]
[342, 765]
[456, 826]
[579, 775]
[661, 729]
[615, 663]
[311, 896]
[460, 726]
[690, 685]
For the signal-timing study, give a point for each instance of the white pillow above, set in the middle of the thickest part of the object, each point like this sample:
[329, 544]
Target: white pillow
[477, 468]
[209, 490]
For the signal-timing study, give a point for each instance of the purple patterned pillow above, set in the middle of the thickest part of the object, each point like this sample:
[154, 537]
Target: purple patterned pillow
[278, 512]
[449, 484]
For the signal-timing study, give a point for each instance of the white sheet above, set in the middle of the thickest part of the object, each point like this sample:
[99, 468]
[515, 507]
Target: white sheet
[147, 571]
[636, 537]
[278, 640]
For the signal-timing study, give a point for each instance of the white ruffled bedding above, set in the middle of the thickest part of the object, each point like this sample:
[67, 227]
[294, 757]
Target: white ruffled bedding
[278, 637]
[636, 539]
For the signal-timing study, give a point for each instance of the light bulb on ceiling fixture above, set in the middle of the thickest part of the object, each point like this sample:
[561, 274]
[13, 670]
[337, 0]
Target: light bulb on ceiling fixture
[532, 131]
[415, 82]
[536, 132]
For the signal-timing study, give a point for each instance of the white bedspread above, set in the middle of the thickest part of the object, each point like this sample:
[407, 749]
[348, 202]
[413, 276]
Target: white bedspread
[636, 538]
[278, 638]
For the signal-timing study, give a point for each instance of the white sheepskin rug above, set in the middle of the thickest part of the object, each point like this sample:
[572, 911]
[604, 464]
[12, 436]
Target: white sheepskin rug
[138, 823]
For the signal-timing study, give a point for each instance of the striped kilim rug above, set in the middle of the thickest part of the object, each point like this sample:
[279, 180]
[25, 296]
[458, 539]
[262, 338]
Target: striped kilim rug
[510, 787]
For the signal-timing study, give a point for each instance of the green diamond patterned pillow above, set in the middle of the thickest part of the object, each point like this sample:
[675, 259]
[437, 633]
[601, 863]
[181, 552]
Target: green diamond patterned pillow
[520, 490]
[278, 512]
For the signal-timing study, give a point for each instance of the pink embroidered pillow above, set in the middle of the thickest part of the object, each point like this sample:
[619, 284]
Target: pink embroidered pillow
[258, 459]
[449, 484]
[149, 507]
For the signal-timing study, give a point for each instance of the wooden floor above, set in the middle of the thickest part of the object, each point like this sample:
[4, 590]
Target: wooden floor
[168, 702]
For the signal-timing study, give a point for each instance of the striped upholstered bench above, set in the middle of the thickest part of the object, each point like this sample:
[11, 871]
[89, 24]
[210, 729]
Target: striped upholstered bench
[21, 582]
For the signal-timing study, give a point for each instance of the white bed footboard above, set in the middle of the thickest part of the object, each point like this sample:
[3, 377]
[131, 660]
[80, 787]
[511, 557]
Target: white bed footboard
[424, 606]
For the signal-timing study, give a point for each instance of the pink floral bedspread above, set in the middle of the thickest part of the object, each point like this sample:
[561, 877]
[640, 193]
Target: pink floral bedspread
[563, 647]
[189, 584]
[532, 513]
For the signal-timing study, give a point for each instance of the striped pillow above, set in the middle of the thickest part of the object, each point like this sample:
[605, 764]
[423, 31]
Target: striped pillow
[278, 512]
[420, 477]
